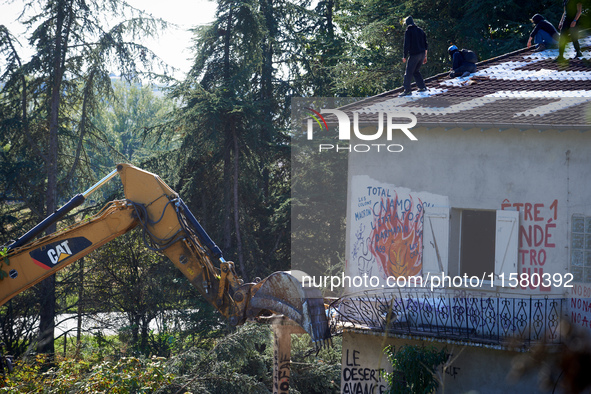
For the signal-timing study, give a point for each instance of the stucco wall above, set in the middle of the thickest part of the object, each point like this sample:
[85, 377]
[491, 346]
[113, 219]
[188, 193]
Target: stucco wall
[542, 174]
[473, 370]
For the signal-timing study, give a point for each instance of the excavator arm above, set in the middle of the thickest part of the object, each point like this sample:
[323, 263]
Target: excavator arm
[170, 228]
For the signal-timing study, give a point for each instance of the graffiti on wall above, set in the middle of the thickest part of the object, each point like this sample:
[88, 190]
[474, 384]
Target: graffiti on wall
[536, 236]
[397, 233]
[358, 378]
[580, 305]
[387, 223]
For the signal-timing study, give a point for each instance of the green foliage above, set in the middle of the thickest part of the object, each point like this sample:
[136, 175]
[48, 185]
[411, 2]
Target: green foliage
[318, 199]
[239, 362]
[315, 373]
[225, 150]
[126, 375]
[19, 323]
[4, 261]
[26, 378]
[234, 160]
[130, 121]
[414, 368]
[47, 104]
[145, 288]
[242, 362]
[373, 31]
[372, 55]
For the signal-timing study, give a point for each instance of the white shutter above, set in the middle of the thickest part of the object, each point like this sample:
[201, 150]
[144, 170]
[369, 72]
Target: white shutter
[506, 243]
[435, 240]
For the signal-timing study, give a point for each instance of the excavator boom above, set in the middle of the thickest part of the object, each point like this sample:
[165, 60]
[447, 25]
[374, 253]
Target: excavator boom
[170, 228]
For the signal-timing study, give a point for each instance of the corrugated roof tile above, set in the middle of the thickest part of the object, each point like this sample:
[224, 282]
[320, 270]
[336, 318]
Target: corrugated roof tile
[515, 88]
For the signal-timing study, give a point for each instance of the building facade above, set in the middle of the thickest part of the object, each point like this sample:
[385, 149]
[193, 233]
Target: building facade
[475, 236]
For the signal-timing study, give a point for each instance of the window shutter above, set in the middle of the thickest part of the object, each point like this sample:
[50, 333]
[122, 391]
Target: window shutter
[435, 240]
[506, 243]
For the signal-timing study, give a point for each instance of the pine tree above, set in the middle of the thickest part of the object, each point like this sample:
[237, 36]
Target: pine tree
[234, 154]
[51, 100]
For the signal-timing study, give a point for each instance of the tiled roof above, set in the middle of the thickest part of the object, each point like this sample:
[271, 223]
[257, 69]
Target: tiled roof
[521, 89]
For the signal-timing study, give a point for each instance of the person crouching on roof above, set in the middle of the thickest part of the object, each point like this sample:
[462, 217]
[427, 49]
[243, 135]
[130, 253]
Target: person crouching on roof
[461, 67]
[544, 34]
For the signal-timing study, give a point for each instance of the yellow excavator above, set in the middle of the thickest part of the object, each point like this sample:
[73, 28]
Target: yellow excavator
[170, 228]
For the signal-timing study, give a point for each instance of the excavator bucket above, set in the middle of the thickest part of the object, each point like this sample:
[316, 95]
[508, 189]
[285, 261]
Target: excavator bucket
[282, 293]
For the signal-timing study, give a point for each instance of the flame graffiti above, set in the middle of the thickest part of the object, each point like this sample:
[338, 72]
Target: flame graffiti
[396, 237]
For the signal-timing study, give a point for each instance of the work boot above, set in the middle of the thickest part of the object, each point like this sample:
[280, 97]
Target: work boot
[541, 47]
[403, 94]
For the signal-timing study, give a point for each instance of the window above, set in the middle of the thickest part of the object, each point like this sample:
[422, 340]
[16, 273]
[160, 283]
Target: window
[472, 242]
[477, 242]
[580, 252]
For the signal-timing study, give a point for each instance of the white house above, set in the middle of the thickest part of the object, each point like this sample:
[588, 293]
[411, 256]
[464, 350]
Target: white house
[471, 231]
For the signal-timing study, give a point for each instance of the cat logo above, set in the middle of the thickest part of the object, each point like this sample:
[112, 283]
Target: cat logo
[50, 255]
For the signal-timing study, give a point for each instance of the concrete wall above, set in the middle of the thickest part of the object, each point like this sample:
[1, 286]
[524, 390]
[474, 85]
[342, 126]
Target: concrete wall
[544, 175]
[472, 370]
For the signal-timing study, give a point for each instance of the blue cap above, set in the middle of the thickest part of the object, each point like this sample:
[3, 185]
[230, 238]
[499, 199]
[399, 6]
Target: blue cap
[452, 48]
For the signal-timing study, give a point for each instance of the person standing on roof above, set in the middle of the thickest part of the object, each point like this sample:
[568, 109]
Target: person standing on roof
[461, 66]
[568, 27]
[544, 34]
[415, 55]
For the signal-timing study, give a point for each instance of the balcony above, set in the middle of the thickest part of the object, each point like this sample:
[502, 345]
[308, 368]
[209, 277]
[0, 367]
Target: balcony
[495, 319]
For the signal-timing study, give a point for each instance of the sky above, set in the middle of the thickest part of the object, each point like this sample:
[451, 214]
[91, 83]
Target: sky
[173, 44]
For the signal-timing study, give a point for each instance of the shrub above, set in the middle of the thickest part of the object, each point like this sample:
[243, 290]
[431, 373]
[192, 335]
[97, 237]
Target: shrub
[126, 375]
[414, 368]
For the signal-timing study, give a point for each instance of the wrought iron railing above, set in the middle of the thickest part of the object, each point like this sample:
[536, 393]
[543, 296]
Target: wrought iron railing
[493, 319]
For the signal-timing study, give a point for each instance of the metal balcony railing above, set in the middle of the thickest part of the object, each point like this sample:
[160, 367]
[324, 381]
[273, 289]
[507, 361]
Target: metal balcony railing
[493, 319]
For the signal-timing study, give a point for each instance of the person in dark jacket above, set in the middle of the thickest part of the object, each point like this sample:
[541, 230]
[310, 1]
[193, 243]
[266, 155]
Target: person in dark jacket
[544, 34]
[415, 54]
[461, 67]
[568, 27]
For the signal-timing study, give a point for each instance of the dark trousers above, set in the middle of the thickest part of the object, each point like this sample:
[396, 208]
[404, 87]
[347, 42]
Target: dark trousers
[470, 67]
[565, 32]
[543, 37]
[413, 66]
